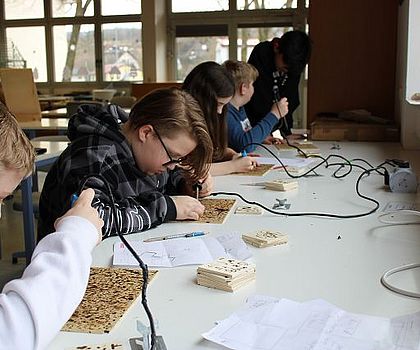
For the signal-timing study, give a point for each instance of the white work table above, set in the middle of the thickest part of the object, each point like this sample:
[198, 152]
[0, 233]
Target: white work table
[339, 260]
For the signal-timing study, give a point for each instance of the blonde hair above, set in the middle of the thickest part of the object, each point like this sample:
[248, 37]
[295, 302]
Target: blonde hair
[242, 72]
[171, 111]
[16, 151]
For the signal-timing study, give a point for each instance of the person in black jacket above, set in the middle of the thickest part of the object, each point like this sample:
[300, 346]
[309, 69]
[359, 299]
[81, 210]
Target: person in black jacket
[280, 63]
[149, 160]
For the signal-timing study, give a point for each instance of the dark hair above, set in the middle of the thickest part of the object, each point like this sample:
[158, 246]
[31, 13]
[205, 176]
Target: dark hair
[171, 111]
[295, 46]
[207, 82]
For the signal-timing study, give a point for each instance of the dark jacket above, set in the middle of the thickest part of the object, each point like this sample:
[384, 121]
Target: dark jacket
[98, 147]
[262, 58]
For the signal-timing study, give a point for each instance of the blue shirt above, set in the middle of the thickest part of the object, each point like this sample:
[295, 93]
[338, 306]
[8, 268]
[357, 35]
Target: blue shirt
[240, 131]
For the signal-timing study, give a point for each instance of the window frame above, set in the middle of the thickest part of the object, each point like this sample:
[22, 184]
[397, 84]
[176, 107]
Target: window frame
[48, 22]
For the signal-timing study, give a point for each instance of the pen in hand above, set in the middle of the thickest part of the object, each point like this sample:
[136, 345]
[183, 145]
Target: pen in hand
[178, 235]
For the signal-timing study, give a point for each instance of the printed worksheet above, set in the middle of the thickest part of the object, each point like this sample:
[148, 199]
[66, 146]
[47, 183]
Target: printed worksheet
[182, 251]
[267, 323]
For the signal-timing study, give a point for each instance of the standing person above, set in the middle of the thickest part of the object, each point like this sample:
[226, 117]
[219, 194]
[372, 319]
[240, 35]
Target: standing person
[280, 63]
[240, 131]
[34, 308]
[213, 87]
[138, 158]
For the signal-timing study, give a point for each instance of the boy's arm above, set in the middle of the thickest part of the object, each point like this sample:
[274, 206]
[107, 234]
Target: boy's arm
[136, 213]
[238, 138]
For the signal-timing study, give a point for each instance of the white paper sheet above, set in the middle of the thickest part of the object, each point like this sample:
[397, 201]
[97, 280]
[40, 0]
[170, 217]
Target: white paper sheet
[291, 162]
[182, 251]
[267, 323]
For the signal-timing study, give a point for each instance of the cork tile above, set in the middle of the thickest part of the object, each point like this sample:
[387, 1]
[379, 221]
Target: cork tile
[109, 294]
[216, 210]
[260, 170]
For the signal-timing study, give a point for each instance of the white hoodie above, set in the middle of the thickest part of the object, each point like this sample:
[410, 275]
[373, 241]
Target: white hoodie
[35, 307]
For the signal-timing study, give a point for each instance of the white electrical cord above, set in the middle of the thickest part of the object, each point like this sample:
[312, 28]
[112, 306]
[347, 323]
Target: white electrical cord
[393, 216]
[395, 289]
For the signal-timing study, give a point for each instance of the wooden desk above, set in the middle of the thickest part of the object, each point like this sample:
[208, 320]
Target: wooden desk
[55, 113]
[314, 264]
[31, 127]
[54, 149]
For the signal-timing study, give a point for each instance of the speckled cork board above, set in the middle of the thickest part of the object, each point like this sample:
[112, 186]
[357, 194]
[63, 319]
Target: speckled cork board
[260, 170]
[109, 294]
[216, 210]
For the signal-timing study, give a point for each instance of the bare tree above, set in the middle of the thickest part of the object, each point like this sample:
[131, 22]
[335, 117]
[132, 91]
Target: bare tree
[74, 38]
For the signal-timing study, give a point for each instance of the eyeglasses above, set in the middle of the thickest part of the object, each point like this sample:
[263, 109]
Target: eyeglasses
[171, 160]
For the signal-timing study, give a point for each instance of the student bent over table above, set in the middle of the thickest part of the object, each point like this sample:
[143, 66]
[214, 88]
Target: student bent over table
[149, 160]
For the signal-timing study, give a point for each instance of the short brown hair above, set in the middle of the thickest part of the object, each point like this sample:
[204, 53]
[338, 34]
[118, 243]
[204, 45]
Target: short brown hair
[242, 72]
[16, 151]
[171, 111]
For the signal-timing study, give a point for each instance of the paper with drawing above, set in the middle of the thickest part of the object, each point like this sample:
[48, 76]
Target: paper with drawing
[182, 251]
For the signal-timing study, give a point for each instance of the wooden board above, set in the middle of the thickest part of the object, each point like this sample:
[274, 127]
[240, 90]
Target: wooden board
[260, 170]
[308, 148]
[216, 210]
[109, 294]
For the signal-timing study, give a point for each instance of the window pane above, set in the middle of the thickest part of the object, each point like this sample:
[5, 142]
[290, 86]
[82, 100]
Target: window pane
[122, 51]
[72, 8]
[199, 6]
[265, 4]
[74, 52]
[191, 51]
[249, 37]
[22, 52]
[121, 7]
[20, 9]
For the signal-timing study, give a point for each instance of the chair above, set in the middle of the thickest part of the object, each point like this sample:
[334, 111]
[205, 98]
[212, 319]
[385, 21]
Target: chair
[20, 93]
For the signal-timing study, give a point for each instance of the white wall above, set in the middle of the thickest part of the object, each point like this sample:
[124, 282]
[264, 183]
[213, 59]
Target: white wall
[408, 73]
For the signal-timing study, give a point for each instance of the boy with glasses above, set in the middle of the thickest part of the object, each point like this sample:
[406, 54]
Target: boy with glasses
[150, 161]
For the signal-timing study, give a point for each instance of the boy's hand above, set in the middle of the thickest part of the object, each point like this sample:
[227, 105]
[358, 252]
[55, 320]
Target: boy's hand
[83, 208]
[281, 108]
[187, 208]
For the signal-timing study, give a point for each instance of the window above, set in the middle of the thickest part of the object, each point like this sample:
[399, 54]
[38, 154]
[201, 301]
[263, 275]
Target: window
[74, 52]
[249, 37]
[190, 51]
[199, 6]
[72, 8]
[267, 4]
[79, 44]
[24, 53]
[20, 9]
[122, 51]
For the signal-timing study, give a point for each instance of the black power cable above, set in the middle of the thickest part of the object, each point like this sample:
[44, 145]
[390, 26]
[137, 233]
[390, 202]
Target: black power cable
[143, 266]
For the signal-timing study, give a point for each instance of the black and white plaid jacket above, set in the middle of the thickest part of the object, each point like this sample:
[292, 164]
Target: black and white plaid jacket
[98, 147]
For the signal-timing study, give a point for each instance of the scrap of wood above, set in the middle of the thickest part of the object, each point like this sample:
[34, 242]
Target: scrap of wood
[109, 294]
[260, 170]
[216, 210]
[308, 148]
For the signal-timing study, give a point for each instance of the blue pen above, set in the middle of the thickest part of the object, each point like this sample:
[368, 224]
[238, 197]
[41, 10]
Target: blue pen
[178, 235]
[73, 199]
[243, 153]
